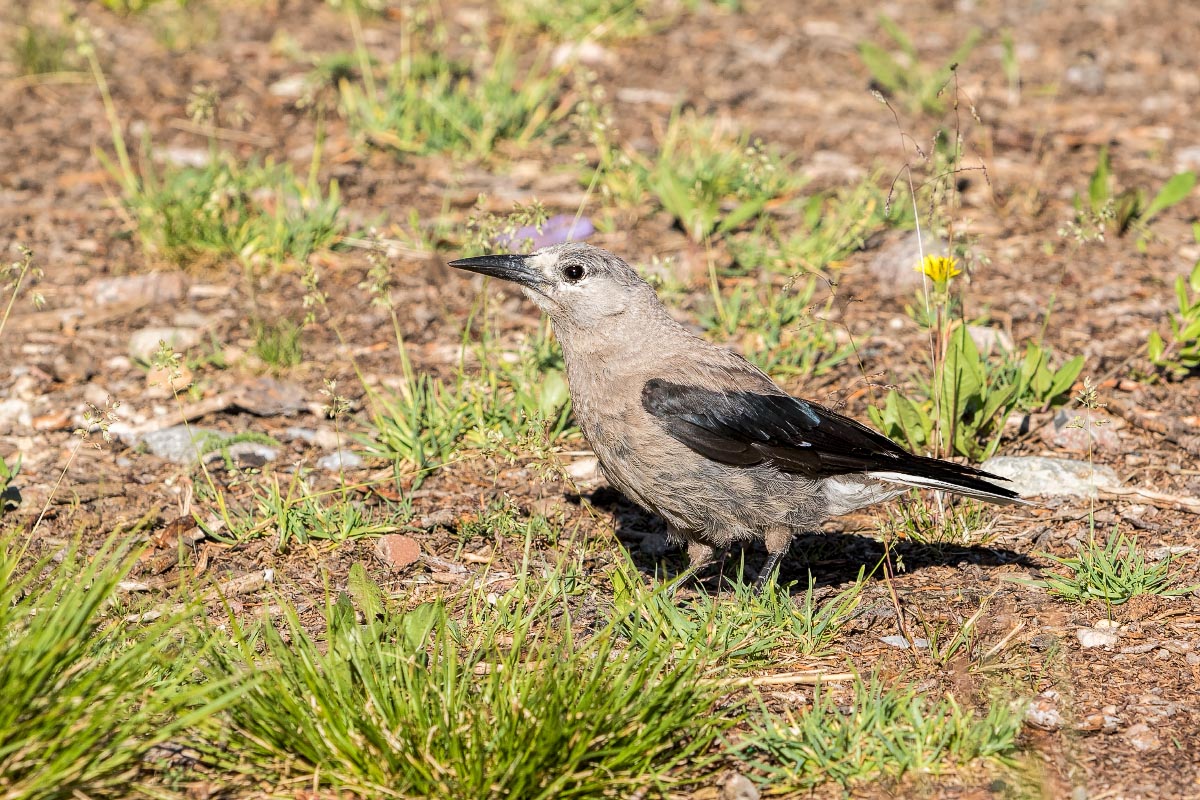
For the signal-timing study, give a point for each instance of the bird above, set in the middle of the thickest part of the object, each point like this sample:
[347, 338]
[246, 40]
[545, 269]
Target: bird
[695, 433]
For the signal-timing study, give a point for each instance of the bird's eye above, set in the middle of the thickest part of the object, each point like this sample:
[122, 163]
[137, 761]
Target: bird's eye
[573, 273]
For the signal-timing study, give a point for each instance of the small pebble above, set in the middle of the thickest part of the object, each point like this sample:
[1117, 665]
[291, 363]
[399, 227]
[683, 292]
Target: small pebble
[1092, 637]
[899, 641]
[397, 550]
[339, 460]
[738, 787]
[1142, 738]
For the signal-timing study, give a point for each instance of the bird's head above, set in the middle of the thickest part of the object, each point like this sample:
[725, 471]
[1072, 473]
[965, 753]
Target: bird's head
[578, 285]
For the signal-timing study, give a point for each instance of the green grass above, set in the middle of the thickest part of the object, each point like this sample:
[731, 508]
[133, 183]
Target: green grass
[883, 733]
[821, 231]
[1179, 353]
[259, 214]
[712, 182]
[39, 47]
[88, 689]
[746, 628]
[432, 104]
[277, 344]
[415, 704]
[1113, 573]
[900, 73]
[586, 19]
[779, 326]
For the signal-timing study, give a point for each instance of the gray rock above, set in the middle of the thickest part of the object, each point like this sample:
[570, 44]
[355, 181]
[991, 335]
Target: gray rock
[144, 344]
[246, 454]
[339, 460]
[156, 288]
[177, 443]
[1188, 158]
[1039, 476]
[738, 787]
[1083, 431]
[894, 267]
[989, 340]
[896, 640]
[15, 413]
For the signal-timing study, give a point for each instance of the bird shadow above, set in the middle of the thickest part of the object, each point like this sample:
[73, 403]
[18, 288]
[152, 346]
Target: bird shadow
[831, 559]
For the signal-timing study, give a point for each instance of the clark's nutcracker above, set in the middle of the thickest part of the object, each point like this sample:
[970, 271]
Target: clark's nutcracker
[695, 433]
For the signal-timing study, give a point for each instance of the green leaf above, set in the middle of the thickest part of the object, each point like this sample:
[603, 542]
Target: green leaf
[898, 36]
[1064, 379]
[367, 595]
[1098, 188]
[883, 68]
[1155, 347]
[1173, 192]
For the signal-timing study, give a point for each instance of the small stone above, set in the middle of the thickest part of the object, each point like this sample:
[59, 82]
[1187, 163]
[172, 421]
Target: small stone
[195, 157]
[990, 340]
[1083, 431]
[894, 267]
[340, 460]
[1141, 738]
[157, 288]
[1091, 637]
[587, 53]
[1043, 711]
[54, 421]
[246, 454]
[290, 87]
[1038, 476]
[177, 443]
[738, 787]
[15, 413]
[397, 550]
[585, 470]
[899, 641]
[1043, 641]
[143, 344]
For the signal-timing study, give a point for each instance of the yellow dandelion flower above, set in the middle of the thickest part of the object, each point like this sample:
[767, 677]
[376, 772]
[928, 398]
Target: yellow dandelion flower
[939, 268]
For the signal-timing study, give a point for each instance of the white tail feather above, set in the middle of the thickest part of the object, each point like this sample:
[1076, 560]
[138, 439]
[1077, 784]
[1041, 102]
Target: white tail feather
[932, 483]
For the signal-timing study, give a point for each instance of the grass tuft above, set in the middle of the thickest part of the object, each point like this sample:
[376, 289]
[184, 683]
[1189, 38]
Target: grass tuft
[87, 693]
[1114, 573]
[416, 705]
[885, 732]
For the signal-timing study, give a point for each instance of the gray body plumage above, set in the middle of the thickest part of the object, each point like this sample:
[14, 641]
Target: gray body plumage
[695, 433]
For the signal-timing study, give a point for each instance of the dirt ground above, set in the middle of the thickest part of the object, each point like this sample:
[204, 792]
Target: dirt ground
[1120, 74]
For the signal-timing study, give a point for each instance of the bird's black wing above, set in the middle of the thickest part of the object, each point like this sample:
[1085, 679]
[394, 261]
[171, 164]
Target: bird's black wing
[743, 428]
[746, 428]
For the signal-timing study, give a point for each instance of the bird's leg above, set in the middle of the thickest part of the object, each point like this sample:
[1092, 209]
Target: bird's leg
[778, 540]
[700, 555]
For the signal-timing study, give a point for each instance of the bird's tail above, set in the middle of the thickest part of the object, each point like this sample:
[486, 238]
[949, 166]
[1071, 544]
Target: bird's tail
[933, 473]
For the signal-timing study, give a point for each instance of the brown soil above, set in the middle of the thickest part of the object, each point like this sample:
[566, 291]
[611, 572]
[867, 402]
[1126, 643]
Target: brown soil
[1121, 74]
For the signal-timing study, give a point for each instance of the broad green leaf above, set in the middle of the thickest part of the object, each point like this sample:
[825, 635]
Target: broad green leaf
[1174, 191]
[1064, 379]
[1155, 347]
[365, 592]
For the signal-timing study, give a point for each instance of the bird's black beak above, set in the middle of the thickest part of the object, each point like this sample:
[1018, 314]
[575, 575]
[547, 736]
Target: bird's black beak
[506, 267]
